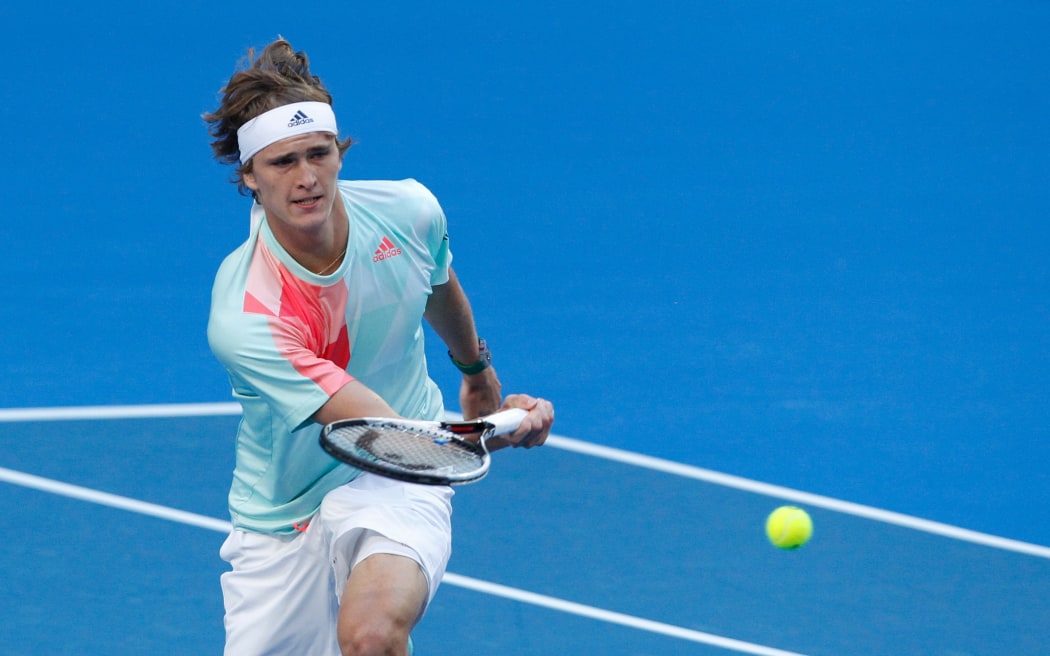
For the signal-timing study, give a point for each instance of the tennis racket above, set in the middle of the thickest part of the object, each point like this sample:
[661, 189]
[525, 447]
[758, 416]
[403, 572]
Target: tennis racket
[427, 452]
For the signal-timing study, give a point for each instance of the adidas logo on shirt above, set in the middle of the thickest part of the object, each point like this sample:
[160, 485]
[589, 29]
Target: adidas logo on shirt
[386, 250]
[299, 119]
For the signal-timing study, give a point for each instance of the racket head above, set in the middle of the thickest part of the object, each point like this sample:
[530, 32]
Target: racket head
[411, 452]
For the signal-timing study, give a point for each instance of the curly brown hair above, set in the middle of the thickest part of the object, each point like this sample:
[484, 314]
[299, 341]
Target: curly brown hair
[278, 76]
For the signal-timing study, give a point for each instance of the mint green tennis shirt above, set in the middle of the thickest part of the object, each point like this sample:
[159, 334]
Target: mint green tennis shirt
[290, 339]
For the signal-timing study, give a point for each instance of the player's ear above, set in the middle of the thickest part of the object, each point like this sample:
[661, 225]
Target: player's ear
[249, 181]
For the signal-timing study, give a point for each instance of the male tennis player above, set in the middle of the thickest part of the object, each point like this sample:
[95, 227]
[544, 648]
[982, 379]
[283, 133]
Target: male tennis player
[318, 317]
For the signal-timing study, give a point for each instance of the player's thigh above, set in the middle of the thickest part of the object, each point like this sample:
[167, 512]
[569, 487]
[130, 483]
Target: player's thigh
[386, 593]
[373, 515]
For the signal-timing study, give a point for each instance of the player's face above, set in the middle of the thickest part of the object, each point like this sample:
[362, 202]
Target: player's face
[295, 180]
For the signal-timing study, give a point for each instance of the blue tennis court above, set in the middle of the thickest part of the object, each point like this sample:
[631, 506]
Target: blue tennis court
[756, 254]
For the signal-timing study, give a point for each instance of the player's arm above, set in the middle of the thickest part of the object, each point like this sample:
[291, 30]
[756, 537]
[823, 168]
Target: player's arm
[353, 400]
[449, 313]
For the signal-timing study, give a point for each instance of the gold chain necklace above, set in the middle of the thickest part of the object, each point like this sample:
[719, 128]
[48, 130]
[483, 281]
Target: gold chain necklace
[333, 263]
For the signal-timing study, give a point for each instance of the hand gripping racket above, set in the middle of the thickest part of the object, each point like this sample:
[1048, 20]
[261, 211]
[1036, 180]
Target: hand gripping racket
[427, 452]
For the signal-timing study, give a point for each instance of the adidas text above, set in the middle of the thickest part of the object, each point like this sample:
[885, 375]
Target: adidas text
[387, 249]
[386, 255]
[299, 119]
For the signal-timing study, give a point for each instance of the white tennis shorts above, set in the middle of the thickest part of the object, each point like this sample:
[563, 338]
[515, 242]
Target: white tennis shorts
[282, 593]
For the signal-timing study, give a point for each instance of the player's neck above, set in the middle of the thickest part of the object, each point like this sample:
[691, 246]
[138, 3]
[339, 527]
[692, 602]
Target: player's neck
[321, 249]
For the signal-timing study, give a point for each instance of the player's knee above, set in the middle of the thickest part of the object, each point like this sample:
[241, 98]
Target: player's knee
[372, 639]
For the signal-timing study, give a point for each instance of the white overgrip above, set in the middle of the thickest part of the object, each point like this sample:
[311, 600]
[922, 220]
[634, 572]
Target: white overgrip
[506, 421]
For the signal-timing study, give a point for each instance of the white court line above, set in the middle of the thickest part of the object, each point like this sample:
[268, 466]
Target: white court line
[112, 500]
[613, 618]
[576, 446]
[523, 596]
[802, 498]
[147, 411]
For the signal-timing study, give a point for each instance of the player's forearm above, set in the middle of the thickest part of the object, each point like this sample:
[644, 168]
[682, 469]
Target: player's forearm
[353, 400]
[449, 314]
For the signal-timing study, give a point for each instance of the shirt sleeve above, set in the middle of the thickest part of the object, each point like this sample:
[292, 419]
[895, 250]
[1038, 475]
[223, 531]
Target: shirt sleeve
[265, 358]
[436, 235]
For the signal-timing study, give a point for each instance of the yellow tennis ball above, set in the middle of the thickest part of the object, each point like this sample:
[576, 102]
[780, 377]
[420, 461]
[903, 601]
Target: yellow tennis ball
[789, 527]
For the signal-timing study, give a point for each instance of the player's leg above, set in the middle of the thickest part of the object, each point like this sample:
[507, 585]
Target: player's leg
[390, 543]
[383, 599]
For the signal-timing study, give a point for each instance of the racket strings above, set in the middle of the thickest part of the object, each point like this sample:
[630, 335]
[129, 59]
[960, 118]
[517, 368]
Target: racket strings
[409, 450]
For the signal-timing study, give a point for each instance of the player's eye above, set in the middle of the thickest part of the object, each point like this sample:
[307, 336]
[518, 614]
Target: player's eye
[282, 162]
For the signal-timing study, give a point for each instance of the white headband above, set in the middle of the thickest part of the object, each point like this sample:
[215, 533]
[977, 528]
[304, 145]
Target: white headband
[283, 122]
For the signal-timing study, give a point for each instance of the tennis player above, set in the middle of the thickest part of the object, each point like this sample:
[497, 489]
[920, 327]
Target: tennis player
[318, 317]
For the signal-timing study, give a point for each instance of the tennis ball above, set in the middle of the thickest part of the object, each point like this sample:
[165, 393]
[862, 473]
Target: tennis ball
[789, 527]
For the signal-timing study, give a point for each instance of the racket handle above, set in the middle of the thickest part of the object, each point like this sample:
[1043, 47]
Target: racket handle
[506, 421]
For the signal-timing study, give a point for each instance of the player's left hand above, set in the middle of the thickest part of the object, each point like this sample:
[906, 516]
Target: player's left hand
[536, 426]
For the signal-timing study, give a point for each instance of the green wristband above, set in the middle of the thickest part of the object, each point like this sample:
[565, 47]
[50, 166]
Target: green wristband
[483, 363]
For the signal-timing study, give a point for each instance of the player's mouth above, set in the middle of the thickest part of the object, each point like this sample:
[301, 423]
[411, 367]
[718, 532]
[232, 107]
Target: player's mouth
[307, 203]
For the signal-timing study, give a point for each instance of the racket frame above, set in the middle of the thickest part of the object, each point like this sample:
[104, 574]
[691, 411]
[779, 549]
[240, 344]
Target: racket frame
[449, 432]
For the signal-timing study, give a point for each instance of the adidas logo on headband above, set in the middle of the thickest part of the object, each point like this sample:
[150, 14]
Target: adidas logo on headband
[271, 126]
[299, 119]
